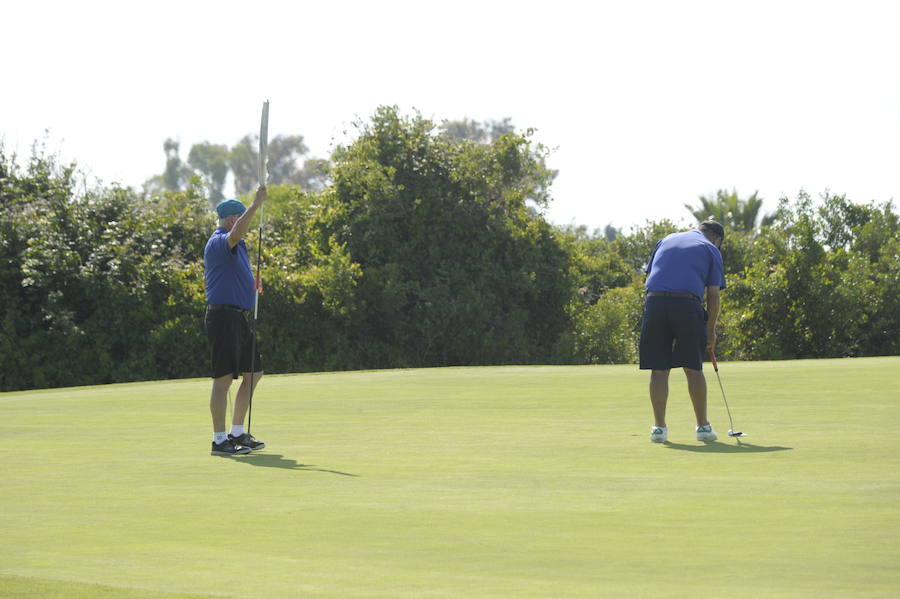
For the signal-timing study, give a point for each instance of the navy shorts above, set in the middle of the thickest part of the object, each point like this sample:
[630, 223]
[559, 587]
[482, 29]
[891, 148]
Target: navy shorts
[230, 343]
[673, 333]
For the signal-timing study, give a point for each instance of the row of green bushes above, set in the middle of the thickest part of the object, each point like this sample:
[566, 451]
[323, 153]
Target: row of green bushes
[425, 250]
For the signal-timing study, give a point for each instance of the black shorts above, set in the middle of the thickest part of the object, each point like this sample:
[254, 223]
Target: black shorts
[230, 343]
[673, 333]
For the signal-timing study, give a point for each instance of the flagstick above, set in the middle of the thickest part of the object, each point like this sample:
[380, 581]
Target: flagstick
[263, 177]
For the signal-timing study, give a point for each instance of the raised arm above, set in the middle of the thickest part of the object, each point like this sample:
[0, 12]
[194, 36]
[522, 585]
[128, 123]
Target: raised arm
[242, 225]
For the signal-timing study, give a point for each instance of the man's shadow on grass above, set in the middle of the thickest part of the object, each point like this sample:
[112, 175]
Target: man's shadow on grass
[276, 460]
[720, 447]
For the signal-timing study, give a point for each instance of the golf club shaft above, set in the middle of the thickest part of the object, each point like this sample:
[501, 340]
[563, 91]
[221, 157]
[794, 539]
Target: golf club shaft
[715, 364]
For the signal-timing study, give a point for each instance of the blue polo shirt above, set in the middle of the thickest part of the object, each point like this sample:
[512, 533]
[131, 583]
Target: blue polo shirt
[227, 273]
[685, 263]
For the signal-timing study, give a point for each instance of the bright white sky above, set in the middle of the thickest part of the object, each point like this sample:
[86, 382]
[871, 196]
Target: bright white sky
[648, 103]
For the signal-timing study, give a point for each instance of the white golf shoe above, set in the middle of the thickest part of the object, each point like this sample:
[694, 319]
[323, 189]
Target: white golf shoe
[706, 433]
[659, 434]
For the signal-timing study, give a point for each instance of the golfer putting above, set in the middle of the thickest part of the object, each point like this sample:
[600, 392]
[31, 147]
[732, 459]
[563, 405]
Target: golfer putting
[675, 330]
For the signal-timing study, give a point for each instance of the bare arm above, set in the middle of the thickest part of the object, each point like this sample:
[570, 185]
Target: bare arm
[242, 225]
[712, 310]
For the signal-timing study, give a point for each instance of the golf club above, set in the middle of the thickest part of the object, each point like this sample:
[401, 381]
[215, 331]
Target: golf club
[731, 431]
[263, 177]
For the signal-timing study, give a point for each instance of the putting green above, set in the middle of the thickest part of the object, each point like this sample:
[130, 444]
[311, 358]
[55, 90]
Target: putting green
[459, 483]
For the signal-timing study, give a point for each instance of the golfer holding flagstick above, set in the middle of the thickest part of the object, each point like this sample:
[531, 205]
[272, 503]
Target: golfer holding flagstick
[231, 295]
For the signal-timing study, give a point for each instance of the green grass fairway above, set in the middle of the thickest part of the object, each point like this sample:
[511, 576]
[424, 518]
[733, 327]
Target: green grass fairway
[459, 483]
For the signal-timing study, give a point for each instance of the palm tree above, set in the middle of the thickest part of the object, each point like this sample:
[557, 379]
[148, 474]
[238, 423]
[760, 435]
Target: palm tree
[728, 209]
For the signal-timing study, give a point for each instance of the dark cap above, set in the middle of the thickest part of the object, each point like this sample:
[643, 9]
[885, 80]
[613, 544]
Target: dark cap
[226, 208]
[713, 227]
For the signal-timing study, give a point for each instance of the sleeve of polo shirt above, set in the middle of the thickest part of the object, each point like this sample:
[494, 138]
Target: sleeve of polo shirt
[221, 245]
[652, 256]
[716, 274]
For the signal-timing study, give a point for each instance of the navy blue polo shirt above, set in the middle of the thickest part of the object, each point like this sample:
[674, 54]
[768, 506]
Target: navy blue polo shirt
[685, 263]
[227, 273]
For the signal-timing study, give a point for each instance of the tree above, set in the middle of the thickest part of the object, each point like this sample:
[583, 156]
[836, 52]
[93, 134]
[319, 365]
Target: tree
[490, 132]
[314, 176]
[607, 330]
[730, 210]
[283, 156]
[243, 160]
[176, 173]
[840, 218]
[814, 289]
[486, 132]
[211, 161]
[421, 249]
[454, 269]
[284, 152]
[99, 285]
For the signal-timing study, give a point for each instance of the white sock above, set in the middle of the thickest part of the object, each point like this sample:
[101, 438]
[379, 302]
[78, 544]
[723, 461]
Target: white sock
[237, 430]
[219, 437]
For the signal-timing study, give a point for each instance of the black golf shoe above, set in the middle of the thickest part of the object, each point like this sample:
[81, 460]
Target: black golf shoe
[247, 440]
[228, 447]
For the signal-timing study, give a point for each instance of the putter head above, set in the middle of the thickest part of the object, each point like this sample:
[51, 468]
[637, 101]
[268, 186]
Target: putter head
[735, 434]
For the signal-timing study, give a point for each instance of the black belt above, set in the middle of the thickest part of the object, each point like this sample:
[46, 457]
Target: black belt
[225, 307]
[672, 294]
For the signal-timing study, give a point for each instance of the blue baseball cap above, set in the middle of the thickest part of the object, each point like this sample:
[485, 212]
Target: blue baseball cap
[226, 208]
